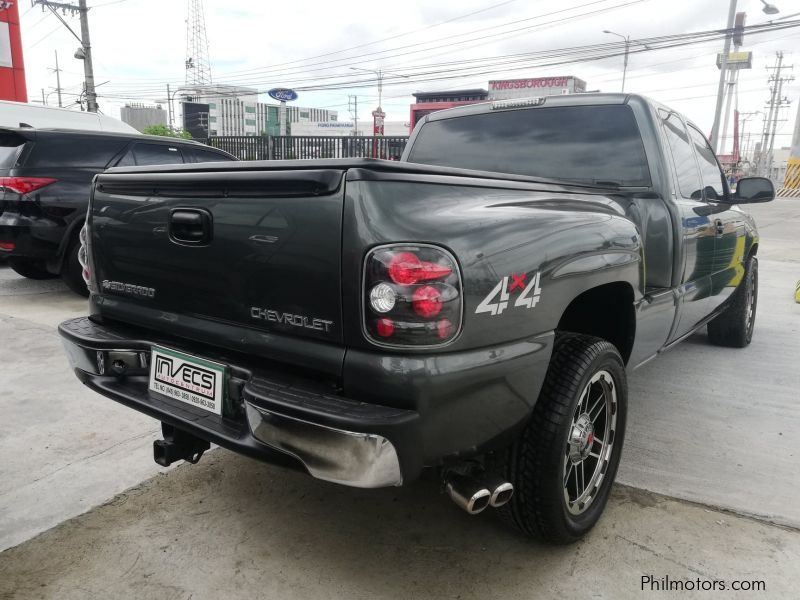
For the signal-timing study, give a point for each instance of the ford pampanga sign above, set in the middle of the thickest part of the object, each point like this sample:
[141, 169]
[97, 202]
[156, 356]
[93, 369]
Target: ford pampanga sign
[282, 94]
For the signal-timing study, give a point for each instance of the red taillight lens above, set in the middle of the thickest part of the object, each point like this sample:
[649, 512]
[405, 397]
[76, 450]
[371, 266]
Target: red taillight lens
[406, 268]
[7, 246]
[385, 327]
[412, 296]
[25, 185]
[427, 301]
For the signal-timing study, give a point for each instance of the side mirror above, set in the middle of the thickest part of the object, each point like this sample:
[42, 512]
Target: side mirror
[753, 189]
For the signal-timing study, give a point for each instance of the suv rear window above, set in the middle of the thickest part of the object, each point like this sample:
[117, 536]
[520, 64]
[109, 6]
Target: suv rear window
[10, 143]
[589, 144]
[74, 151]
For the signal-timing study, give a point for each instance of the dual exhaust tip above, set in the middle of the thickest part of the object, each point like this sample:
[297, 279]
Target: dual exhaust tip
[476, 495]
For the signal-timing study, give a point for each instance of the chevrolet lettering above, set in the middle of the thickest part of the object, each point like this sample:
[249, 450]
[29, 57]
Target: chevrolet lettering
[285, 318]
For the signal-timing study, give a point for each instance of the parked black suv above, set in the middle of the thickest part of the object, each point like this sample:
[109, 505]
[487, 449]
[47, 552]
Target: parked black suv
[45, 181]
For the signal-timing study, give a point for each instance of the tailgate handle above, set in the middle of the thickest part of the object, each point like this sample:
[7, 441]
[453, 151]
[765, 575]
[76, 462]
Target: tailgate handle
[190, 226]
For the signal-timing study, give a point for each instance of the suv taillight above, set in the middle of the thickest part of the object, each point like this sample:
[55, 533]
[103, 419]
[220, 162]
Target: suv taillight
[85, 258]
[412, 295]
[25, 185]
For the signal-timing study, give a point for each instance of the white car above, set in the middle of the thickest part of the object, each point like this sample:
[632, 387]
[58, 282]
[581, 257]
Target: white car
[20, 114]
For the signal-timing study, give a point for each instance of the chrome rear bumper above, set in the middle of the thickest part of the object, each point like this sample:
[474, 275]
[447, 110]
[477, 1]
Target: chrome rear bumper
[363, 460]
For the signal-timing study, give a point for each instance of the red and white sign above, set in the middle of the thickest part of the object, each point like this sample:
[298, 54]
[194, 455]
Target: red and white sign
[504, 89]
[378, 117]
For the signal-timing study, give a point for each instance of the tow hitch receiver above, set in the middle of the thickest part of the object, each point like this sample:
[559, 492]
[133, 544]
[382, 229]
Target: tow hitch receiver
[178, 445]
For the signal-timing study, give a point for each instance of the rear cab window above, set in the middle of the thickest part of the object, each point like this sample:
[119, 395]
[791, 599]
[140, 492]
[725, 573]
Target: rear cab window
[598, 144]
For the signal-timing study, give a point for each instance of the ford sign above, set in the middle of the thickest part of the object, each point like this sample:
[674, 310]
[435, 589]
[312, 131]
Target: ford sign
[282, 94]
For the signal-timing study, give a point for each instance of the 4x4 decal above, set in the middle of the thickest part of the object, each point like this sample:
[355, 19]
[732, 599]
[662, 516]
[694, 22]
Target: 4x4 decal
[531, 292]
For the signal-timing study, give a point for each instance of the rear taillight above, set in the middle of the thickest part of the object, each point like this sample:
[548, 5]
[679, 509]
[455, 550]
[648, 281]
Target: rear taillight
[85, 259]
[25, 185]
[7, 246]
[412, 296]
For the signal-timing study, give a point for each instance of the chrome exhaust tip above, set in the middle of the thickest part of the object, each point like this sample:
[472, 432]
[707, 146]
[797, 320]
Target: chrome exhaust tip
[501, 494]
[468, 493]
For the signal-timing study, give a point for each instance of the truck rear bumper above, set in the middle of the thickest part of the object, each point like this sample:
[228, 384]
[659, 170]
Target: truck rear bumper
[300, 422]
[269, 417]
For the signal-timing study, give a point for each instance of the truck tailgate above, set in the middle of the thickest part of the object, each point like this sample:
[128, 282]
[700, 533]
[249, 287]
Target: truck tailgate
[258, 249]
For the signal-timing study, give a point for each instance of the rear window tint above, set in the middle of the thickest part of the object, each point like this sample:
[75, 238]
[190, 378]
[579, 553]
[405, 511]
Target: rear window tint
[199, 155]
[157, 154]
[592, 144]
[74, 151]
[10, 144]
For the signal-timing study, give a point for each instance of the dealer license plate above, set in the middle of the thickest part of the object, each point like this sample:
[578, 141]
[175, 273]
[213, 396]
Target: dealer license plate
[187, 378]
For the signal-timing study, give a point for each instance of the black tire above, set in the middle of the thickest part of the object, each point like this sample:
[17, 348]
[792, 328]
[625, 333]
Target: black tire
[72, 271]
[538, 460]
[734, 327]
[30, 268]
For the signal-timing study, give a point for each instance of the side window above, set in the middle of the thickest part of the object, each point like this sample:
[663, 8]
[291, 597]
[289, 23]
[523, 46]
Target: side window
[689, 181]
[201, 155]
[157, 154]
[709, 168]
[127, 160]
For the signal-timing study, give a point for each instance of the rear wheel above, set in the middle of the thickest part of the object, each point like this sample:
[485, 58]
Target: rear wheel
[565, 461]
[72, 271]
[734, 327]
[30, 268]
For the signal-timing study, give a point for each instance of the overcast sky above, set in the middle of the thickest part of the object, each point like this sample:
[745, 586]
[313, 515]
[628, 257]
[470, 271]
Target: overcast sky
[139, 47]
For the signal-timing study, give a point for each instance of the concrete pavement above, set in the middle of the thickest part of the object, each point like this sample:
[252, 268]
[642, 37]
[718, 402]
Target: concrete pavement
[235, 529]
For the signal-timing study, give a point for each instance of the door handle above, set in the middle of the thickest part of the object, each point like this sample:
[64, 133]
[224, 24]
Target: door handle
[719, 227]
[190, 226]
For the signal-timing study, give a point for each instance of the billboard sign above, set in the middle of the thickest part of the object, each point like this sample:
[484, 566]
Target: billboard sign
[505, 89]
[737, 60]
[282, 94]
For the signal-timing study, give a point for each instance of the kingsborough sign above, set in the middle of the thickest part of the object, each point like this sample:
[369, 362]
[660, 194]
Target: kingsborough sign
[501, 89]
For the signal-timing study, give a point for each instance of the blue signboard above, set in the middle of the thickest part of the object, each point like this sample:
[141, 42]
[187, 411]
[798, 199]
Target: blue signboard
[282, 94]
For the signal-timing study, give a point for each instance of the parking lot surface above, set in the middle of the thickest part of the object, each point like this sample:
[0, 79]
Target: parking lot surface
[711, 425]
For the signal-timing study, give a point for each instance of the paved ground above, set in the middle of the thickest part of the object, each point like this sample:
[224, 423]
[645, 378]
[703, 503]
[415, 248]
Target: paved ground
[707, 424]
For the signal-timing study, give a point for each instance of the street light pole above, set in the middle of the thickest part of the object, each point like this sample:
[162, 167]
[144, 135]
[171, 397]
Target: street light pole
[627, 39]
[723, 70]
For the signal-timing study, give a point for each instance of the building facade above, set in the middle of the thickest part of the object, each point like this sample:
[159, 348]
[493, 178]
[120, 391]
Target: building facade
[225, 110]
[347, 128]
[141, 116]
[428, 102]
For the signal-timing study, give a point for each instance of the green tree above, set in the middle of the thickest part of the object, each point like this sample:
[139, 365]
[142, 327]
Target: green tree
[166, 131]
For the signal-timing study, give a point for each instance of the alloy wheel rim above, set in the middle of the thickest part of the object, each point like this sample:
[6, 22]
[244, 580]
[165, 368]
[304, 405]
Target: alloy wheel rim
[751, 302]
[590, 442]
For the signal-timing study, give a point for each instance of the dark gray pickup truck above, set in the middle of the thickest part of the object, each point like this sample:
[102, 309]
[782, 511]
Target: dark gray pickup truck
[470, 311]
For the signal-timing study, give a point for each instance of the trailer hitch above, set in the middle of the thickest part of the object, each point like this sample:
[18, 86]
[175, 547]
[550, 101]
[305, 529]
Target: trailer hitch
[178, 445]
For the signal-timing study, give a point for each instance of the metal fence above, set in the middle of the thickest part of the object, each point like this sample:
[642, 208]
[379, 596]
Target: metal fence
[292, 147]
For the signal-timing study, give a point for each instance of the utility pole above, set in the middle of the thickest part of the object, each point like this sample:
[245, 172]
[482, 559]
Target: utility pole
[352, 107]
[83, 53]
[57, 71]
[733, 79]
[169, 109]
[777, 101]
[723, 71]
[88, 71]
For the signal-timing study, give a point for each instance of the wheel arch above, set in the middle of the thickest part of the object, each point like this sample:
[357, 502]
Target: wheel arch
[605, 311]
